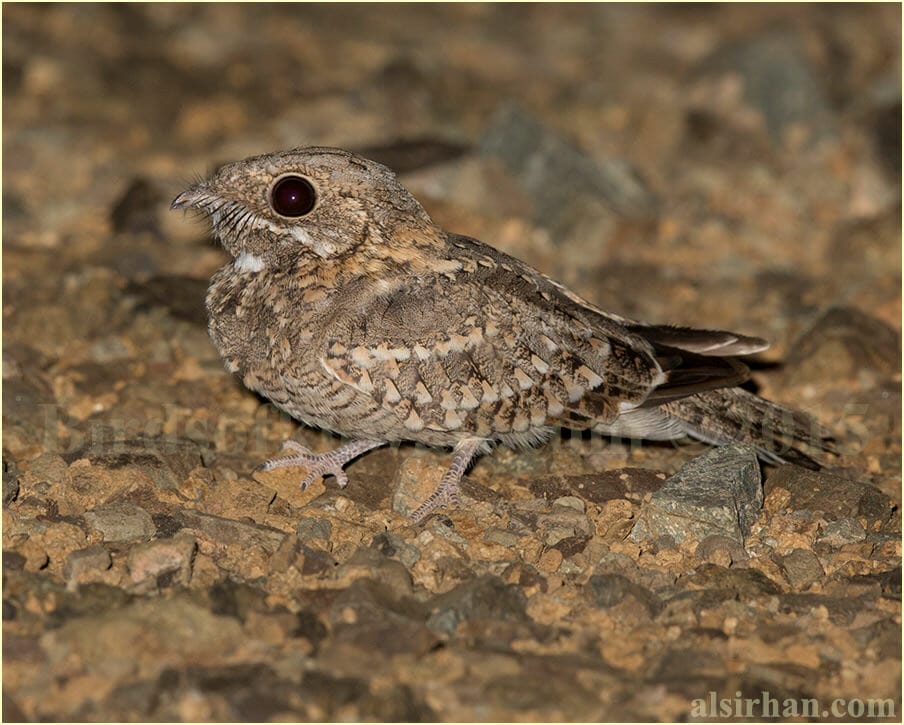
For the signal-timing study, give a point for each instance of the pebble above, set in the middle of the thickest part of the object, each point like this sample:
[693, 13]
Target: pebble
[310, 529]
[776, 78]
[10, 482]
[120, 522]
[163, 556]
[83, 563]
[486, 597]
[608, 590]
[801, 567]
[716, 493]
[841, 532]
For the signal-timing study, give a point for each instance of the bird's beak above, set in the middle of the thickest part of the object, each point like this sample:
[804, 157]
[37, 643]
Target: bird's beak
[192, 196]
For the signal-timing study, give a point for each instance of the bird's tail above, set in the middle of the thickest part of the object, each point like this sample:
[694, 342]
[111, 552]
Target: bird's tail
[732, 415]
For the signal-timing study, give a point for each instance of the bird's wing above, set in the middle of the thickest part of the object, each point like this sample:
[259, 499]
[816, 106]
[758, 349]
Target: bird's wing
[460, 352]
[495, 349]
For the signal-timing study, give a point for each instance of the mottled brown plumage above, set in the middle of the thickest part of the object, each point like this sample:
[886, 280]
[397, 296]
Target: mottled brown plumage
[353, 312]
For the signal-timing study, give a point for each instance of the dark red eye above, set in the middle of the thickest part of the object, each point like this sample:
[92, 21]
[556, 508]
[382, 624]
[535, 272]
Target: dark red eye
[293, 196]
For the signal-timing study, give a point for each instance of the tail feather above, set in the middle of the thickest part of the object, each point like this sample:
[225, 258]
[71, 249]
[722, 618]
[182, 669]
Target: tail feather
[734, 415]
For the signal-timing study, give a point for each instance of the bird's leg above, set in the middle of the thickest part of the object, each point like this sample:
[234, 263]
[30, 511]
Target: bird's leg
[322, 464]
[447, 491]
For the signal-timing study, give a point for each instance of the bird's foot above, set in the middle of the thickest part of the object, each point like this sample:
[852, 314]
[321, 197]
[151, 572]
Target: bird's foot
[449, 487]
[319, 465]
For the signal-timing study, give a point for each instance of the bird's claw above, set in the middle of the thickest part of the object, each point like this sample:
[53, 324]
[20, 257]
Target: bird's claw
[318, 465]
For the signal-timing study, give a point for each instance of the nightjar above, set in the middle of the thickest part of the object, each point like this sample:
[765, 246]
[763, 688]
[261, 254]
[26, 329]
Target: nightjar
[351, 310]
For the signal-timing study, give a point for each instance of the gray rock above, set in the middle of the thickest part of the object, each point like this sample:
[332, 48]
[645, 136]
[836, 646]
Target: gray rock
[722, 550]
[608, 590]
[570, 190]
[310, 528]
[84, 561]
[182, 297]
[631, 483]
[842, 610]
[395, 547]
[502, 537]
[163, 556]
[841, 532]
[486, 597]
[30, 407]
[121, 522]
[832, 496]
[778, 81]
[562, 522]
[743, 585]
[231, 532]
[843, 344]
[367, 563]
[138, 209]
[166, 460]
[801, 568]
[716, 493]
[373, 617]
[237, 599]
[570, 502]
[10, 482]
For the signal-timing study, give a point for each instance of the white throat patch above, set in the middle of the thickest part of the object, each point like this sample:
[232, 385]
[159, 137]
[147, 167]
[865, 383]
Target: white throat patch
[248, 263]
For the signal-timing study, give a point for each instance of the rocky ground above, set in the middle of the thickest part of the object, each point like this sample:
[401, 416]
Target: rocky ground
[729, 166]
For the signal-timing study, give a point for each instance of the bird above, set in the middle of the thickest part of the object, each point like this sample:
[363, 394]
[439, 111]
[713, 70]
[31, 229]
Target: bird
[350, 309]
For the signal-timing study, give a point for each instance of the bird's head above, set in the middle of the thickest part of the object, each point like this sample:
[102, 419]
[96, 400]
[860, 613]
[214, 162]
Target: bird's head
[314, 202]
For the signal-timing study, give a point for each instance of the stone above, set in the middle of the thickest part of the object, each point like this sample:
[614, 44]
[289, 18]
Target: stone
[10, 481]
[378, 618]
[716, 493]
[832, 496]
[231, 532]
[486, 597]
[570, 502]
[801, 568]
[240, 692]
[313, 529]
[165, 460]
[83, 563]
[232, 598]
[608, 590]
[583, 203]
[721, 550]
[119, 522]
[368, 563]
[555, 172]
[395, 547]
[500, 536]
[141, 638]
[182, 297]
[631, 483]
[885, 120]
[160, 557]
[138, 209]
[563, 522]
[841, 532]
[741, 584]
[777, 79]
[29, 406]
[841, 347]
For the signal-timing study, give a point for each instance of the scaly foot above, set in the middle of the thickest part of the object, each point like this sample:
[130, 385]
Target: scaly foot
[319, 464]
[448, 490]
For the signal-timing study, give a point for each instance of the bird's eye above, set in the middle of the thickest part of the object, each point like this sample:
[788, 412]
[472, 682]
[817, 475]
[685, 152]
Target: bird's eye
[293, 196]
